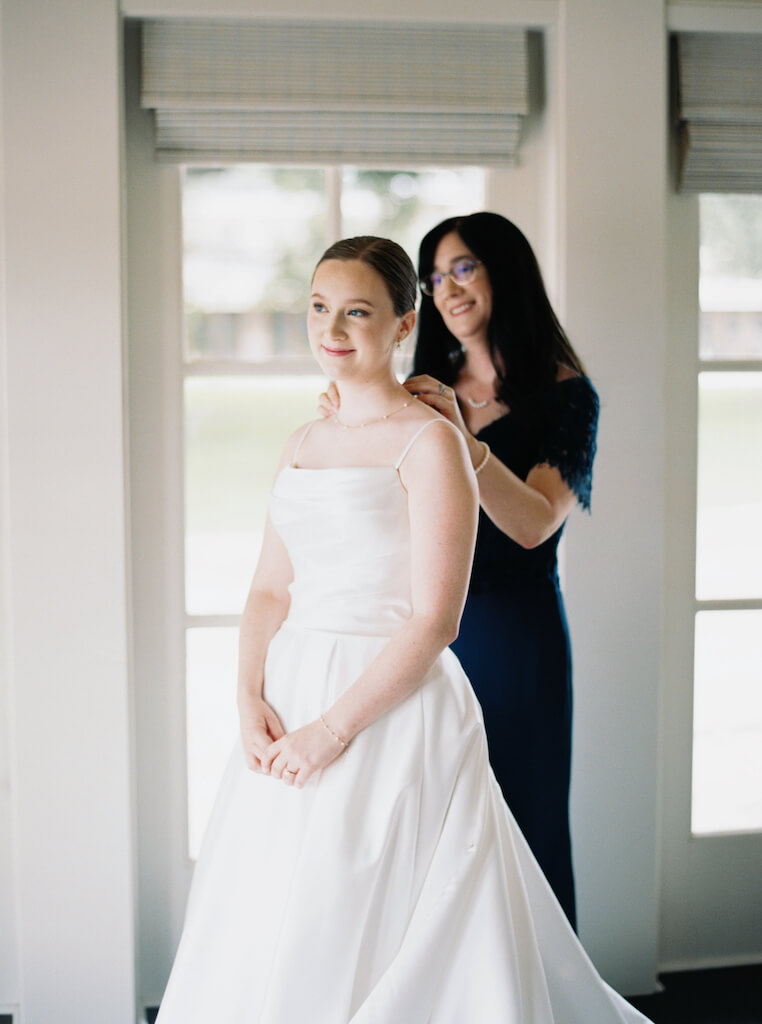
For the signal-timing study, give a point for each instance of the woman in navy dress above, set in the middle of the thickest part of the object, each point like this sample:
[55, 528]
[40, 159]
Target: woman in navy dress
[492, 357]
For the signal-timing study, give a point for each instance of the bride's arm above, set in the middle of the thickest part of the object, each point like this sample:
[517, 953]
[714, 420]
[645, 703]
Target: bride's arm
[443, 505]
[266, 608]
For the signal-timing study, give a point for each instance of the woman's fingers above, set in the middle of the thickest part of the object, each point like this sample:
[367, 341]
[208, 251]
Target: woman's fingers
[438, 402]
[279, 765]
[328, 402]
[283, 762]
[269, 755]
[423, 384]
[274, 725]
[293, 777]
[440, 397]
[324, 406]
[288, 770]
[254, 757]
[256, 740]
[431, 391]
[259, 732]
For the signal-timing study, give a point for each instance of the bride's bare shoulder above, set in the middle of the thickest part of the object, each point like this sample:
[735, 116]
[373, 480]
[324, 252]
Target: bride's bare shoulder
[294, 440]
[433, 439]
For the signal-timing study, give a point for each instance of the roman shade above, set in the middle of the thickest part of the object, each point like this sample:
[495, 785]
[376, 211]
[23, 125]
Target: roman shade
[334, 92]
[718, 96]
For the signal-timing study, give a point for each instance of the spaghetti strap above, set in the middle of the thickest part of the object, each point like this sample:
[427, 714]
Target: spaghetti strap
[306, 431]
[417, 434]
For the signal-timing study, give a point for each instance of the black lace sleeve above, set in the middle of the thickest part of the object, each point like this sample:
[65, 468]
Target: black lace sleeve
[569, 435]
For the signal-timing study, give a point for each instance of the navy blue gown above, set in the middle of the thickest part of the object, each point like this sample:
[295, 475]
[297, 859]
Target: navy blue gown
[514, 640]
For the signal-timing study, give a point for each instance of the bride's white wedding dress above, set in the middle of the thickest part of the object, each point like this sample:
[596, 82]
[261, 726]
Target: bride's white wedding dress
[395, 888]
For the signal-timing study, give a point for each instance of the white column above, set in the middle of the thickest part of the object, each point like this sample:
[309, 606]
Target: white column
[614, 181]
[67, 578]
[8, 932]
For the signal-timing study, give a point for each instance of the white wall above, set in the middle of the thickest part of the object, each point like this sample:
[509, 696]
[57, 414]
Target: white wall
[614, 187]
[67, 678]
[8, 934]
[155, 317]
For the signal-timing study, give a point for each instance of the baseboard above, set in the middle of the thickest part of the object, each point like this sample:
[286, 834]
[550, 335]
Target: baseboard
[708, 963]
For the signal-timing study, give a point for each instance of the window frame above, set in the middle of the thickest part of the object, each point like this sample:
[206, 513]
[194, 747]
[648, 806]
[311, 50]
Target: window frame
[726, 604]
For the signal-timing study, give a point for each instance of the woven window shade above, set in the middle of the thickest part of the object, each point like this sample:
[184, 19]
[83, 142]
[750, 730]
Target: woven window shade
[323, 92]
[719, 112]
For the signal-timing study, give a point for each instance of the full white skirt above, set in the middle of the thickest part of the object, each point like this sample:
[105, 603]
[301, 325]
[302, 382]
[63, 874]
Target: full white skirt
[395, 888]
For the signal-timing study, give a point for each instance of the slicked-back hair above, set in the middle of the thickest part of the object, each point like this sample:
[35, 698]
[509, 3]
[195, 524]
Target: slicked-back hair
[527, 343]
[388, 259]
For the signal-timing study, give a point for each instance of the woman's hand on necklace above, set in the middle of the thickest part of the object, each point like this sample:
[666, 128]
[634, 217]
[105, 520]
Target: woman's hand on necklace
[440, 397]
[443, 399]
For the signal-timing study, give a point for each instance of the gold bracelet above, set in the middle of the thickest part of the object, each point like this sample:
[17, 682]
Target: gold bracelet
[483, 463]
[335, 735]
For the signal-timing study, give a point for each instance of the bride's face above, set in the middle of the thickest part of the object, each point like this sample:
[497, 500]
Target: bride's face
[351, 324]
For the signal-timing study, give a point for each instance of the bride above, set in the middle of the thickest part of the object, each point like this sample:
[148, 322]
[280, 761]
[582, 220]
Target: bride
[360, 865]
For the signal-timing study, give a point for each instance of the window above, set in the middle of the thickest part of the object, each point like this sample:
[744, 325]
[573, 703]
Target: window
[727, 728]
[252, 236]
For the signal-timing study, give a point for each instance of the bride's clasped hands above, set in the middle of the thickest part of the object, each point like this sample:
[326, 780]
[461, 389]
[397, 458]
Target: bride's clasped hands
[260, 728]
[295, 757]
[290, 757]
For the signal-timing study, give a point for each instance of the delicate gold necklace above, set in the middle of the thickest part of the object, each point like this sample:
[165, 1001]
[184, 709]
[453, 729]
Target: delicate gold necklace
[378, 419]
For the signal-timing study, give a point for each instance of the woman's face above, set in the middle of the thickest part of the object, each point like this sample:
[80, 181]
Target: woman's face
[465, 308]
[351, 324]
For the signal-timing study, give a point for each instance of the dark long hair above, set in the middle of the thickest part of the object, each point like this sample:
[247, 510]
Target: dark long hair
[526, 341]
[388, 259]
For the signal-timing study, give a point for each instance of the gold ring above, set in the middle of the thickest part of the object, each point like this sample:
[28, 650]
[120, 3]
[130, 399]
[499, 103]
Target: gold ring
[289, 771]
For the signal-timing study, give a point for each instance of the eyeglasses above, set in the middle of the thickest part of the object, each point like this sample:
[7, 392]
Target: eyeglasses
[461, 273]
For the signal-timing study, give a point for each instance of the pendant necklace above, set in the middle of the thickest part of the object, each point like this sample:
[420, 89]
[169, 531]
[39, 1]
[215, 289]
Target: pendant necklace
[378, 419]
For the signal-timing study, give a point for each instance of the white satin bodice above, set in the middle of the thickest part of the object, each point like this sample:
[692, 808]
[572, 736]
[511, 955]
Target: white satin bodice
[347, 534]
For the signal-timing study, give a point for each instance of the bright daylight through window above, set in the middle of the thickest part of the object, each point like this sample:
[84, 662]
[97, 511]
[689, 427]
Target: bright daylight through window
[727, 726]
[252, 236]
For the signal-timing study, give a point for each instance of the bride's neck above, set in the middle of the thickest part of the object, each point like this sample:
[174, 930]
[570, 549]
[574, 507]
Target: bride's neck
[369, 401]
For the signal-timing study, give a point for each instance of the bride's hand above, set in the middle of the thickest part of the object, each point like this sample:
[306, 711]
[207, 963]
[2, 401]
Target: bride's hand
[260, 726]
[299, 754]
[440, 397]
[328, 402]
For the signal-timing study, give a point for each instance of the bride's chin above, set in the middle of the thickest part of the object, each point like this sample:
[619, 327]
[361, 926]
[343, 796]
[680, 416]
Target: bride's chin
[333, 369]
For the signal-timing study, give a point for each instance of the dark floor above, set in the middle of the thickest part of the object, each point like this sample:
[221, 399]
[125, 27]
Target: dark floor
[727, 995]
